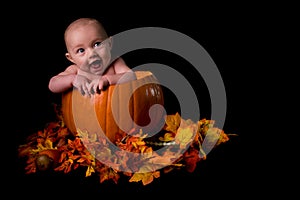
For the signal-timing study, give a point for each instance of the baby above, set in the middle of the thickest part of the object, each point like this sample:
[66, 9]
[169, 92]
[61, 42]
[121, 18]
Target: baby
[89, 49]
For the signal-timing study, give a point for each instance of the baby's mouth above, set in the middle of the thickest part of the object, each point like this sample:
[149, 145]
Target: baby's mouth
[95, 64]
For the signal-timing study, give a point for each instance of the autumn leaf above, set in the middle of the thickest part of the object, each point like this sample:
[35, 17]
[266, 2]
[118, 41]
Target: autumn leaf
[146, 174]
[24, 150]
[66, 166]
[167, 137]
[107, 173]
[186, 122]
[184, 136]
[31, 166]
[89, 171]
[49, 144]
[41, 134]
[39, 148]
[169, 168]
[138, 143]
[77, 144]
[83, 149]
[211, 138]
[173, 122]
[104, 153]
[63, 132]
[86, 137]
[145, 178]
[191, 158]
[163, 160]
[223, 137]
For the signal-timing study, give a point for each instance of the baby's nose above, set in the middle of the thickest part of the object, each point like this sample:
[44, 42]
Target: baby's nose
[93, 54]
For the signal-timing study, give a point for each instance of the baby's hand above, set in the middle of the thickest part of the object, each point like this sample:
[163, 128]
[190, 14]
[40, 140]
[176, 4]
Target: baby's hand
[82, 83]
[103, 83]
[97, 85]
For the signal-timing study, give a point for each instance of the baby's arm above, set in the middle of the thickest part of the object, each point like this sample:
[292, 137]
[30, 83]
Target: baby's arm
[67, 79]
[64, 80]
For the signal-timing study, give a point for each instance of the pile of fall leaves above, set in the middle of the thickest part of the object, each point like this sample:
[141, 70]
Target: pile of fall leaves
[56, 148]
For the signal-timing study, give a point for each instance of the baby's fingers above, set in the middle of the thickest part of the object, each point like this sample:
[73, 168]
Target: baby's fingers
[95, 88]
[92, 88]
[84, 89]
[100, 86]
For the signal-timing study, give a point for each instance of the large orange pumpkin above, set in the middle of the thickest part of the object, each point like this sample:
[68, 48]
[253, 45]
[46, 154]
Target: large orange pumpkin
[119, 108]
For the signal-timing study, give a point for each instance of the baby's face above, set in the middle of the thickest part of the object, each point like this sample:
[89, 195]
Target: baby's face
[89, 49]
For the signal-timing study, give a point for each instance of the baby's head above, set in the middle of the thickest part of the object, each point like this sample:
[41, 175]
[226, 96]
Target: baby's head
[83, 23]
[88, 45]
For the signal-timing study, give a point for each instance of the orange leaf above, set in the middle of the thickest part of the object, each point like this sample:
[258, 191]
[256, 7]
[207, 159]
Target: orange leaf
[107, 173]
[63, 132]
[173, 122]
[146, 178]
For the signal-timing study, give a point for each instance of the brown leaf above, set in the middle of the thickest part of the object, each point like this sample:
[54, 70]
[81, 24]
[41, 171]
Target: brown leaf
[191, 158]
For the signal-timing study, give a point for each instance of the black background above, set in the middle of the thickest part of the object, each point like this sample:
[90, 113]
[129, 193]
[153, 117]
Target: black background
[38, 53]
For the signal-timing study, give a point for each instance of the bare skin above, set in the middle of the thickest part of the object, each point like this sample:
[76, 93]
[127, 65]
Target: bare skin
[88, 48]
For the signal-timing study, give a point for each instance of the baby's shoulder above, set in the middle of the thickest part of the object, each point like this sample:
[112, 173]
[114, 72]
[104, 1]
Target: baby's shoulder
[72, 69]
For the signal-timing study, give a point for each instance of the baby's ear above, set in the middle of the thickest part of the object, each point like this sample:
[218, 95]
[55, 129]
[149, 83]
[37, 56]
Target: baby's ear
[110, 42]
[69, 57]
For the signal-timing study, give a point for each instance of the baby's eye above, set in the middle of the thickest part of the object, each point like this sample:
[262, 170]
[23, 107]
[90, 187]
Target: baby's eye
[81, 50]
[97, 44]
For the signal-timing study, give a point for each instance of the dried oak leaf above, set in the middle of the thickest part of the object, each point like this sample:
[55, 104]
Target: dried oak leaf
[146, 178]
[107, 173]
[172, 122]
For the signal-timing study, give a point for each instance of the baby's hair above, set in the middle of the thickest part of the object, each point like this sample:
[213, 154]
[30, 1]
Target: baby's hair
[85, 21]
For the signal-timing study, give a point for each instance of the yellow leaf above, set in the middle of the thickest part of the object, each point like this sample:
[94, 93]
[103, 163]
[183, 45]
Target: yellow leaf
[82, 134]
[167, 137]
[145, 178]
[48, 144]
[89, 171]
[136, 177]
[143, 148]
[138, 143]
[184, 136]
